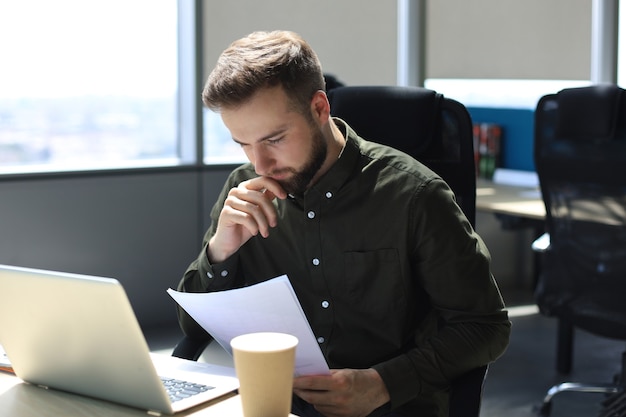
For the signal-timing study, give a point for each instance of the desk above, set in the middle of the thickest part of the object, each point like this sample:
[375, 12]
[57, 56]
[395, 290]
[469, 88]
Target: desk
[516, 207]
[18, 399]
[509, 200]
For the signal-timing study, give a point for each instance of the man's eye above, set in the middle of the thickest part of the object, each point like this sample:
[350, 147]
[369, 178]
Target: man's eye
[275, 141]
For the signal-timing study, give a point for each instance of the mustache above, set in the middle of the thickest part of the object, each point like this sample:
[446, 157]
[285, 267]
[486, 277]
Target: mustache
[281, 171]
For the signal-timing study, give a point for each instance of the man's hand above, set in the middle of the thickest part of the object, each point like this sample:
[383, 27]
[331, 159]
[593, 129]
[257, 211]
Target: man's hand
[248, 211]
[345, 392]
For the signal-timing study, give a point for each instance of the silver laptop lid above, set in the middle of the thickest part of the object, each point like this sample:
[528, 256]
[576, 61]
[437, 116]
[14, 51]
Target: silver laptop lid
[77, 333]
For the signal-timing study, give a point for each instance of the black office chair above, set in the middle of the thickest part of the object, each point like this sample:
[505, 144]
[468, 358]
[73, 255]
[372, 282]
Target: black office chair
[438, 132]
[580, 157]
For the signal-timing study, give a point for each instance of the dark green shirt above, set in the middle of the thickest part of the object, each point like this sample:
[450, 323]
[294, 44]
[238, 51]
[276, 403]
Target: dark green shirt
[388, 270]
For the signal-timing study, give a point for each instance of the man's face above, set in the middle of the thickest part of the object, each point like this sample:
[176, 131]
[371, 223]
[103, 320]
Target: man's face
[280, 142]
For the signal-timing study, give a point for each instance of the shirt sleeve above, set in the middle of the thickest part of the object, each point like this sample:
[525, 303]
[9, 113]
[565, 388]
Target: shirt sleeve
[468, 326]
[202, 276]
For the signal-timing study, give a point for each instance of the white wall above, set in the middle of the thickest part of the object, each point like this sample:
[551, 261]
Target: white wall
[354, 39]
[510, 39]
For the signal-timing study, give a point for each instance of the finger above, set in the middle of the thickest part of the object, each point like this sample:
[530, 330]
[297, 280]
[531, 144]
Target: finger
[252, 205]
[269, 189]
[267, 185]
[314, 397]
[260, 204]
[324, 401]
[251, 211]
[233, 216]
[313, 382]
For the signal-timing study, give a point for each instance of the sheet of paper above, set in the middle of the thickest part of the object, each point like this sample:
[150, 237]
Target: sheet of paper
[270, 306]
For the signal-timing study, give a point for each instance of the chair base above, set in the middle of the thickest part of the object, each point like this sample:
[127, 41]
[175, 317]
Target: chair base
[546, 407]
[614, 405]
[616, 394]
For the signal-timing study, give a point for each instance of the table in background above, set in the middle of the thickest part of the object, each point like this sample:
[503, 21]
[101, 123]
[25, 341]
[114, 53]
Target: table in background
[516, 208]
[510, 200]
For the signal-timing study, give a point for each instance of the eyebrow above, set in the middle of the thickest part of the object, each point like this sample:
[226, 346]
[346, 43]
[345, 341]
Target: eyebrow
[271, 135]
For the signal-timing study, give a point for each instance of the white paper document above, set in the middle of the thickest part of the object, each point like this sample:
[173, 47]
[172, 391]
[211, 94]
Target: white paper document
[270, 306]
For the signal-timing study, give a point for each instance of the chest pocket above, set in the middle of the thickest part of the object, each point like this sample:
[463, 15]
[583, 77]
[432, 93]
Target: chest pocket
[373, 281]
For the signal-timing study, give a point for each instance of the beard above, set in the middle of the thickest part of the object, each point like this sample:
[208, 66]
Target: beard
[301, 179]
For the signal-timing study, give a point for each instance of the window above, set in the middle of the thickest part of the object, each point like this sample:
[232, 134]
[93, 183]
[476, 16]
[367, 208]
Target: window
[87, 84]
[621, 45]
[499, 93]
[219, 147]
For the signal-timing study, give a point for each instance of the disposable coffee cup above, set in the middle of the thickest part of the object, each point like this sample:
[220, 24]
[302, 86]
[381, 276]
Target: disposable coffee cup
[264, 363]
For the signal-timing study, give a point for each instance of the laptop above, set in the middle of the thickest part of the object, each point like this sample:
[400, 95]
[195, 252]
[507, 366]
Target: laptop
[79, 334]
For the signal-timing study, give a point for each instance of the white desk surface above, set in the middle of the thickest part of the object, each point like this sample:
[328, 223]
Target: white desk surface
[18, 399]
[509, 199]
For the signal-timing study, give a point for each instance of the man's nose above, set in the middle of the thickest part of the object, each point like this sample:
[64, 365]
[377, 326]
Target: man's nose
[262, 161]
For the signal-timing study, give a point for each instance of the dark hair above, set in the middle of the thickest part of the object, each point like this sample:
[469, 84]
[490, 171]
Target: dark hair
[262, 60]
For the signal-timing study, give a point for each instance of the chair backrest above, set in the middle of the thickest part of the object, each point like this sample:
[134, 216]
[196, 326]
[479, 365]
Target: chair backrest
[580, 157]
[433, 129]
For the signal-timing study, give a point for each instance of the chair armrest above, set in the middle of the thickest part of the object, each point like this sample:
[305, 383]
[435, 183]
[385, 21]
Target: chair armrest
[189, 348]
[466, 393]
[542, 243]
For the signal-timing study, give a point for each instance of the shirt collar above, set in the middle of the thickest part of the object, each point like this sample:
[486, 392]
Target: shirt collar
[343, 168]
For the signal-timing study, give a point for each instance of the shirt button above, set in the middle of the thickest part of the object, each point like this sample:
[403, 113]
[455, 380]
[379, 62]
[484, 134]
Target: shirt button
[329, 194]
[316, 261]
[325, 304]
[320, 340]
[224, 273]
[208, 274]
[311, 214]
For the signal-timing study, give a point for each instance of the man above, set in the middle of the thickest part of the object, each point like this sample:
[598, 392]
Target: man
[393, 279]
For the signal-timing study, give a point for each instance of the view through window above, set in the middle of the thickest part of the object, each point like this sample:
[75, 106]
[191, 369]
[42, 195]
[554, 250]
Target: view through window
[219, 147]
[86, 84]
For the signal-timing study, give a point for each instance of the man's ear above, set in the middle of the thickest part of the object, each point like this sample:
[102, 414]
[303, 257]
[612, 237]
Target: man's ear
[320, 107]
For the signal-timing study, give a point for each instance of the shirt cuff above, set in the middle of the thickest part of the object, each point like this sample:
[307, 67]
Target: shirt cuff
[400, 378]
[218, 275]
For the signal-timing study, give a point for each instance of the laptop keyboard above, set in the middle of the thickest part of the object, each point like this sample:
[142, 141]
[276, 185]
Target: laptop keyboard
[179, 390]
